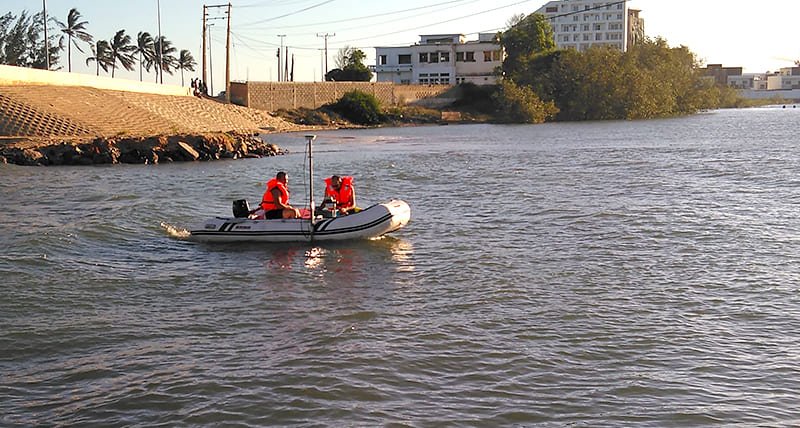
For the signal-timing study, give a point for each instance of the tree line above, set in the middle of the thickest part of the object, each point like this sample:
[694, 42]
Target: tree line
[22, 44]
[648, 80]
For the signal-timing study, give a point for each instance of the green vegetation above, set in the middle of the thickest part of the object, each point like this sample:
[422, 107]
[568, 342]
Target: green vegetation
[649, 80]
[519, 104]
[22, 44]
[350, 67]
[359, 107]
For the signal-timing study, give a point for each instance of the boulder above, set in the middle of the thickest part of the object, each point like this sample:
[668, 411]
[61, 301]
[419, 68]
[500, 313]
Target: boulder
[188, 150]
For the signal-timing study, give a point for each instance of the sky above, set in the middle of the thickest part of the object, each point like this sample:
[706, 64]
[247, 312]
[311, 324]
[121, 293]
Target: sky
[758, 37]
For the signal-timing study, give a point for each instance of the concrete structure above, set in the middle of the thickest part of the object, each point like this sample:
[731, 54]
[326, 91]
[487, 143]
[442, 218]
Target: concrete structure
[749, 81]
[272, 96]
[10, 75]
[787, 78]
[721, 74]
[783, 84]
[581, 24]
[441, 59]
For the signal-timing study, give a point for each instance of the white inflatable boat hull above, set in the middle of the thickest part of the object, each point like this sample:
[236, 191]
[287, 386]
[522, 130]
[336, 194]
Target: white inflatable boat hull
[372, 222]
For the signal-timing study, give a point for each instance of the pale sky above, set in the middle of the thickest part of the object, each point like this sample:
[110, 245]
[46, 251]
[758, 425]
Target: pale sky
[757, 36]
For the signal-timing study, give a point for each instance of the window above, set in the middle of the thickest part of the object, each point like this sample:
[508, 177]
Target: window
[382, 60]
[487, 56]
[445, 57]
[551, 10]
[496, 56]
[404, 59]
[470, 56]
[459, 56]
[433, 57]
[423, 57]
[598, 36]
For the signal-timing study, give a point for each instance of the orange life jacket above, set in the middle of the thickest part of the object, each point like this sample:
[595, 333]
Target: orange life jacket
[268, 202]
[344, 196]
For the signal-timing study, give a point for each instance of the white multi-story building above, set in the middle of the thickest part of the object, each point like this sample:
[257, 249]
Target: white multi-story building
[441, 59]
[581, 24]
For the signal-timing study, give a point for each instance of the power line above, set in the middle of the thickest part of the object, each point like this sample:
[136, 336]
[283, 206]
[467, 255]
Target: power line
[437, 23]
[289, 14]
[358, 18]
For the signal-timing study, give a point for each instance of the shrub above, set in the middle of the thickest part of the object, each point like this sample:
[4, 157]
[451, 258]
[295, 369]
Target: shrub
[359, 107]
[519, 104]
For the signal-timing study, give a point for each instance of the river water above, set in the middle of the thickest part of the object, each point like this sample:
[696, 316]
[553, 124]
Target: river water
[636, 273]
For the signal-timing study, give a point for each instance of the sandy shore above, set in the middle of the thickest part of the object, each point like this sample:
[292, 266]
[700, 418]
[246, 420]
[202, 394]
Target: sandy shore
[39, 118]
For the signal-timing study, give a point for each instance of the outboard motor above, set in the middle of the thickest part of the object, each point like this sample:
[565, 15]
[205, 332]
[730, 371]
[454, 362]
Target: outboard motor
[241, 209]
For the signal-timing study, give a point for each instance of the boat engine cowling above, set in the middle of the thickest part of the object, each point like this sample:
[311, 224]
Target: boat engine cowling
[241, 209]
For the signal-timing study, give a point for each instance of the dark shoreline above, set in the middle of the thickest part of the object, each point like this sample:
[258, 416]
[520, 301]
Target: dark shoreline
[134, 150]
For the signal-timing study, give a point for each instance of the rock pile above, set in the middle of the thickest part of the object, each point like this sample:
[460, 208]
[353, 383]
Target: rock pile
[139, 150]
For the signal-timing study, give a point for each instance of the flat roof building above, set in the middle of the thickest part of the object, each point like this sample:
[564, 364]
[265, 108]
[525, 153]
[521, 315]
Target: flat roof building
[441, 59]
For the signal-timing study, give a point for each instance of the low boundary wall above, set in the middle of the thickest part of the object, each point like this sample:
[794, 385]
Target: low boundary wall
[272, 96]
[19, 76]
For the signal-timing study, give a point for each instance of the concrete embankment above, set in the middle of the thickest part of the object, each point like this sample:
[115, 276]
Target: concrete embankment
[58, 125]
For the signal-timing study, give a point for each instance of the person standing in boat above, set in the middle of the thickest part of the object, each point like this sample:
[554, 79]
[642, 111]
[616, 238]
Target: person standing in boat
[275, 201]
[341, 191]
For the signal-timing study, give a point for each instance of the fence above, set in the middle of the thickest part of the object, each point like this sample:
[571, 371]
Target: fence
[272, 96]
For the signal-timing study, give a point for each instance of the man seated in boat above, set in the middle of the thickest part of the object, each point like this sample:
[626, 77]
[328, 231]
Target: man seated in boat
[340, 190]
[275, 201]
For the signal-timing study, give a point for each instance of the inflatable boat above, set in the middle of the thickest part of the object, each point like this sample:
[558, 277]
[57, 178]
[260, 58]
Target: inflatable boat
[372, 222]
[369, 223]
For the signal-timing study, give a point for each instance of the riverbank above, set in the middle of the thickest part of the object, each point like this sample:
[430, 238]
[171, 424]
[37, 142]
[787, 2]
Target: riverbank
[69, 125]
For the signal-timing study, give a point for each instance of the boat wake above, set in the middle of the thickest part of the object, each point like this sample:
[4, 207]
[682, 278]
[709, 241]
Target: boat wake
[175, 231]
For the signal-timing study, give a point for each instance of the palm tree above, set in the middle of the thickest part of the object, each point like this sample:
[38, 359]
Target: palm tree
[74, 29]
[145, 50]
[168, 59]
[122, 51]
[101, 57]
[185, 62]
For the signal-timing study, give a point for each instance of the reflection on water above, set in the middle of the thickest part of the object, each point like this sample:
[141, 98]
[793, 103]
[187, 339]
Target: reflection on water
[349, 260]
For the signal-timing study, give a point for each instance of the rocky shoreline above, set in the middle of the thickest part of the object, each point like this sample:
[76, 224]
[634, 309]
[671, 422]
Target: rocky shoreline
[136, 150]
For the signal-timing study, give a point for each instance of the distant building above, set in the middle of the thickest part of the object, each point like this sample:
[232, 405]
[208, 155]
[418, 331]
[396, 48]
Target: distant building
[785, 79]
[581, 24]
[721, 74]
[441, 59]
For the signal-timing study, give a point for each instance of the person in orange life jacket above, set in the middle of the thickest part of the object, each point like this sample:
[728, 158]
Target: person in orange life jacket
[275, 201]
[342, 191]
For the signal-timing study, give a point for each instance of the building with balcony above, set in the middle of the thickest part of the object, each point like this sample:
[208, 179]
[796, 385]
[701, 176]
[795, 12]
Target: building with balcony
[441, 59]
[581, 24]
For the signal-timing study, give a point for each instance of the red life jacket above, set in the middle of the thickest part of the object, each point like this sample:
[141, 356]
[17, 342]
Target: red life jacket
[268, 202]
[344, 196]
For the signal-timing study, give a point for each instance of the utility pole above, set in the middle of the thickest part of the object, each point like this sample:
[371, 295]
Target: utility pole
[280, 56]
[160, 47]
[227, 48]
[210, 63]
[46, 43]
[228, 60]
[205, 13]
[322, 64]
[325, 36]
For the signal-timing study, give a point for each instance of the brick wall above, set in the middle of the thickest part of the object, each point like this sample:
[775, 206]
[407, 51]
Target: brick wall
[271, 96]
